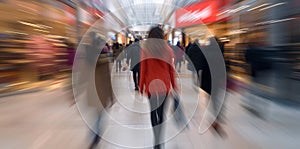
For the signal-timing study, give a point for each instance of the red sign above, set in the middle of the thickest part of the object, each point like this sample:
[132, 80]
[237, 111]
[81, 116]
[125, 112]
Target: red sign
[199, 13]
[70, 15]
[97, 13]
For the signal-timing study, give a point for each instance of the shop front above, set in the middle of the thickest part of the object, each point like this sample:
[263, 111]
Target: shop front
[200, 21]
[34, 37]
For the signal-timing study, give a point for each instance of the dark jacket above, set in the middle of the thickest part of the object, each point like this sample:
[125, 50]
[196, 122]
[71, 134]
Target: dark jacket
[188, 47]
[134, 54]
[199, 62]
[257, 57]
[117, 49]
[197, 58]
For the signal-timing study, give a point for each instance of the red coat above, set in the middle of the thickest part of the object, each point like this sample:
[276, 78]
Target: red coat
[157, 75]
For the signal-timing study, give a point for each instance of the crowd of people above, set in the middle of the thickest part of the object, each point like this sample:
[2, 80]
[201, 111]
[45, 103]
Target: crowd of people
[154, 64]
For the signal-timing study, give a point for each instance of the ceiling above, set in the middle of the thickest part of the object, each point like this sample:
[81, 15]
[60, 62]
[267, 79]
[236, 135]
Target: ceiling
[134, 13]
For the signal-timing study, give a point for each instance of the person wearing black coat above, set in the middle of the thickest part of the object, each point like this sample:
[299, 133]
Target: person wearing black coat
[133, 55]
[199, 62]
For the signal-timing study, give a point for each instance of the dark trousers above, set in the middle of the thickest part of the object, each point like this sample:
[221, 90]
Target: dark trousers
[178, 62]
[157, 102]
[205, 80]
[136, 77]
[118, 65]
[96, 132]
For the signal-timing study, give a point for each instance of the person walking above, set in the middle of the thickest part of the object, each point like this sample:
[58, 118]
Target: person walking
[133, 56]
[178, 56]
[117, 49]
[98, 60]
[198, 60]
[204, 81]
[260, 72]
[157, 78]
[69, 64]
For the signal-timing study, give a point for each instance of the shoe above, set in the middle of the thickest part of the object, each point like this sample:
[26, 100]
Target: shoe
[95, 142]
[136, 88]
[220, 131]
[157, 147]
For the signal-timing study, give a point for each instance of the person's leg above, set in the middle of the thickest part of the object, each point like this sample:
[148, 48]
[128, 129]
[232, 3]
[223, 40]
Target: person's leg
[96, 135]
[117, 65]
[138, 80]
[120, 65]
[194, 77]
[176, 65]
[153, 109]
[160, 109]
[197, 78]
[134, 73]
[157, 117]
[179, 65]
[153, 100]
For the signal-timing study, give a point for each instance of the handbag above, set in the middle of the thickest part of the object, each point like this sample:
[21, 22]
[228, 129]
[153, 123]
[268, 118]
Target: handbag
[179, 116]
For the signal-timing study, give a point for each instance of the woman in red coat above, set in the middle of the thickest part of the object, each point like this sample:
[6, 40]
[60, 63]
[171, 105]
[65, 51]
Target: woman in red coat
[157, 77]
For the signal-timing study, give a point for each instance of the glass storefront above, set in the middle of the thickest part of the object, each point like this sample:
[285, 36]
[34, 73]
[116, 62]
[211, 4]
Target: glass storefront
[34, 39]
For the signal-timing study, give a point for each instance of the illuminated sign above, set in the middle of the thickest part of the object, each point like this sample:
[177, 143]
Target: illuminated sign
[199, 13]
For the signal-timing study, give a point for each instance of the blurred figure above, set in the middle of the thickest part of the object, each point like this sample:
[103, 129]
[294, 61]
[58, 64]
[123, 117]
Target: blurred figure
[130, 42]
[216, 125]
[92, 51]
[133, 55]
[71, 53]
[43, 54]
[117, 49]
[256, 57]
[102, 82]
[70, 60]
[105, 49]
[203, 79]
[178, 50]
[188, 46]
[199, 61]
[190, 65]
[157, 78]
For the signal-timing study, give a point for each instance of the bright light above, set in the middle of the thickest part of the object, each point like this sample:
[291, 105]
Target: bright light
[177, 33]
[44, 26]
[259, 6]
[55, 36]
[278, 4]
[29, 24]
[239, 9]
[41, 30]
[14, 32]
[41, 26]
[275, 21]
[223, 12]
